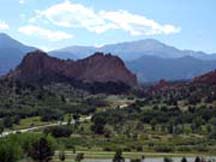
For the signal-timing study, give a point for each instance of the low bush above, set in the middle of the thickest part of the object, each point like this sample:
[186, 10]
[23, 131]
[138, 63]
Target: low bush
[59, 131]
[164, 148]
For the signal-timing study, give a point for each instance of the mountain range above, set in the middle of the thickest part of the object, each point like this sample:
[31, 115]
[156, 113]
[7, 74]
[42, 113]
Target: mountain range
[152, 68]
[149, 59]
[130, 51]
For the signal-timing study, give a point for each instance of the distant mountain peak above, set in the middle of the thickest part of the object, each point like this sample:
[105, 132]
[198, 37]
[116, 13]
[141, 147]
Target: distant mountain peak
[11, 53]
[125, 50]
[149, 41]
[6, 41]
[4, 37]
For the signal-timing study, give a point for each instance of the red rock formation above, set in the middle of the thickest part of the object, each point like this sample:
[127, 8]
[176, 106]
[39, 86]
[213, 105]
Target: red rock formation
[208, 78]
[102, 68]
[160, 86]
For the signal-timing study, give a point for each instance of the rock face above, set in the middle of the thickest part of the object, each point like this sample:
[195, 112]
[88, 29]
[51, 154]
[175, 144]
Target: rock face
[39, 67]
[161, 85]
[208, 78]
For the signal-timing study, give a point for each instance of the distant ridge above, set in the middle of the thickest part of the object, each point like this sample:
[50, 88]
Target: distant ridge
[153, 69]
[130, 51]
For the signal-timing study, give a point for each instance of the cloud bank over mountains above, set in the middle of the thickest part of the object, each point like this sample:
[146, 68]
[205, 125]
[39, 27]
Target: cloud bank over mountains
[74, 15]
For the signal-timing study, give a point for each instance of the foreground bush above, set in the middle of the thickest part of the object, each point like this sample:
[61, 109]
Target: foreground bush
[41, 150]
[164, 148]
[9, 151]
[59, 131]
[118, 156]
[36, 146]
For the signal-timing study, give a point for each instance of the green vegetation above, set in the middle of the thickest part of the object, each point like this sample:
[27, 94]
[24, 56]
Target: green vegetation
[178, 122]
[118, 156]
[35, 146]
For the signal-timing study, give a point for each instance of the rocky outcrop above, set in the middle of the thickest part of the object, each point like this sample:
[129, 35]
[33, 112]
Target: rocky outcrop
[39, 67]
[208, 78]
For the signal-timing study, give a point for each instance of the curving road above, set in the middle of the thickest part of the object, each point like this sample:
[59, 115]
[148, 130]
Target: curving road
[4, 134]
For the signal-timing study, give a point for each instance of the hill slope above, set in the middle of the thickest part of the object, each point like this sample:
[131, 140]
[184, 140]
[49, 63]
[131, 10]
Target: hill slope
[11, 53]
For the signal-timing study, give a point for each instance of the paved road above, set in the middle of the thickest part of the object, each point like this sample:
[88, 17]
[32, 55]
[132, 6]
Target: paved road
[4, 134]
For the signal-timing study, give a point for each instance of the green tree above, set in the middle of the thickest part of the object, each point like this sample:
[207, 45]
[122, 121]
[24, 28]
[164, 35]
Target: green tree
[99, 124]
[166, 159]
[62, 156]
[135, 160]
[171, 126]
[184, 159]
[153, 124]
[69, 119]
[118, 156]
[79, 157]
[197, 159]
[212, 134]
[10, 151]
[41, 150]
[8, 122]
[143, 158]
[1, 128]
[76, 119]
[59, 131]
[197, 123]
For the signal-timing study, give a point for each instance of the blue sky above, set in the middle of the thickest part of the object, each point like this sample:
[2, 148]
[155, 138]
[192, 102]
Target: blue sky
[52, 24]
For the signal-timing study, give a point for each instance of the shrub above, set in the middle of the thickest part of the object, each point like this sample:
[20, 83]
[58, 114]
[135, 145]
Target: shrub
[201, 148]
[127, 149]
[165, 148]
[118, 156]
[135, 160]
[168, 159]
[139, 148]
[59, 131]
[62, 156]
[41, 150]
[184, 149]
[107, 149]
[79, 157]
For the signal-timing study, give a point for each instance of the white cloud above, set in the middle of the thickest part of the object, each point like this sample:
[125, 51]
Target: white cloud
[3, 25]
[136, 24]
[21, 1]
[67, 14]
[72, 15]
[51, 35]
